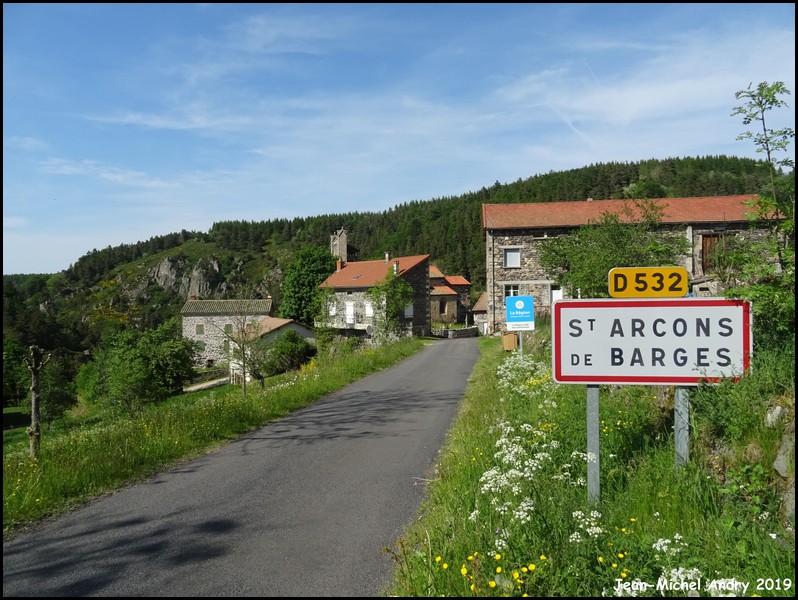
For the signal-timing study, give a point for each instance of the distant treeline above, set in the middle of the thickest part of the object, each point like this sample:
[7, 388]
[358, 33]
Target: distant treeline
[96, 264]
[450, 228]
[93, 291]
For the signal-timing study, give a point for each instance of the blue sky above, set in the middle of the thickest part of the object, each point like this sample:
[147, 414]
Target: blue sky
[126, 121]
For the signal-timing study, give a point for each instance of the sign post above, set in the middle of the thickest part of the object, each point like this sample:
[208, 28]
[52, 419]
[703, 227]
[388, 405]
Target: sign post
[520, 312]
[680, 342]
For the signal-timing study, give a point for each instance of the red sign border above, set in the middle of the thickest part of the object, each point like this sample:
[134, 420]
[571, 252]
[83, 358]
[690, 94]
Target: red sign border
[653, 380]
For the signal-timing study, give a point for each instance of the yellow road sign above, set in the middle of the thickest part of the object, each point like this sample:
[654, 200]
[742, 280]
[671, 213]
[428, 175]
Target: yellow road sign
[648, 282]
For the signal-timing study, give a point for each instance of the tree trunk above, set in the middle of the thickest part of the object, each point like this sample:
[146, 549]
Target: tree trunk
[36, 362]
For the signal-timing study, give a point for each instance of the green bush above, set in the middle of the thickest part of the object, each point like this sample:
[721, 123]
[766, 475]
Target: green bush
[287, 353]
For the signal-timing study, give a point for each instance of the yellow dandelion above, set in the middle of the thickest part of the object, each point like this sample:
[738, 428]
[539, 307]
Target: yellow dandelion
[470, 558]
[542, 557]
[624, 575]
[632, 520]
[498, 557]
[463, 570]
[620, 554]
[472, 587]
[614, 565]
[445, 565]
[524, 570]
[516, 575]
[531, 567]
[623, 529]
[601, 559]
[492, 584]
[437, 559]
[498, 569]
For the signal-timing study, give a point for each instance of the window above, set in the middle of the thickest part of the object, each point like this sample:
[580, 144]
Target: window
[409, 311]
[200, 329]
[512, 258]
[201, 346]
[442, 304]
[369, 309]
[350, 313]
[511, 290]
[228, 328]
[332, 309]
[226, 346]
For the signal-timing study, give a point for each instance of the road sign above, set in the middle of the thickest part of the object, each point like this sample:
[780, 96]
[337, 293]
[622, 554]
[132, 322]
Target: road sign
[520, 311]
[648, 282]
[650, 342]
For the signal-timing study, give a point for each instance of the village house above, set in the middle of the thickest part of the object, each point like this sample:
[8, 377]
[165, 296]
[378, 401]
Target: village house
[211, 323]
[268, 329]
[352, 312]
[513, 232]
[450, 297]
[479, 313]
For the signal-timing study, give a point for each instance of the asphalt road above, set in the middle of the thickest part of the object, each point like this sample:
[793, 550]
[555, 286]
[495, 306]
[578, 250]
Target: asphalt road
[301, 507]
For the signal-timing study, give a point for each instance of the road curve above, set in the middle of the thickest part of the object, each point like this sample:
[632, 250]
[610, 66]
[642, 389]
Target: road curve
[301, 507]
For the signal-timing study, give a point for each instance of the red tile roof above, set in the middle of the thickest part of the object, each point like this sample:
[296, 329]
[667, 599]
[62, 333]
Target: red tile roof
[264, 326]
[457, 280]
[368, 273]
[481, 305]
[435, 272]
[442, 290]
[705, 209]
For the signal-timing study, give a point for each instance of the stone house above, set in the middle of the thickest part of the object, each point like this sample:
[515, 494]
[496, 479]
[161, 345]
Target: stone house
[213, 322]
[450, 297]
[512, 233]
[479, 313]
[269, 329]
[350, 310]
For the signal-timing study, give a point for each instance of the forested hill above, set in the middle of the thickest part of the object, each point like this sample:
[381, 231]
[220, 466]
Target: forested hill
[238, 258]
[449, 228]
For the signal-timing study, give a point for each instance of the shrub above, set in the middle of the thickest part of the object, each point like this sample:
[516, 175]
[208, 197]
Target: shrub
[287, 353]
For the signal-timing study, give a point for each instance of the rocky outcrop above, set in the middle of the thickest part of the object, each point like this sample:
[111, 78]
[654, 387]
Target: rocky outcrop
[202, 280]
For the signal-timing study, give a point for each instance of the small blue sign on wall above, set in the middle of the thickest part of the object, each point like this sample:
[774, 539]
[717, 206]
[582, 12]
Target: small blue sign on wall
[520, 311]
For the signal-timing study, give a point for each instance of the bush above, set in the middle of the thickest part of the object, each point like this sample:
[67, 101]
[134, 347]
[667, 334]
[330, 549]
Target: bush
[287, 353]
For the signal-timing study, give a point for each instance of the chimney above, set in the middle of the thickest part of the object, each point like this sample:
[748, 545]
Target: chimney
[339, 265]
[387, 257]
[396, 267]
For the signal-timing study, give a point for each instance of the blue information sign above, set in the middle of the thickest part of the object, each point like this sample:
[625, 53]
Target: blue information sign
[520, 311]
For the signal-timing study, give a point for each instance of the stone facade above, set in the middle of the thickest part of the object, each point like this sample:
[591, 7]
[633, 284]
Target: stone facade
[529, 279]
[213, 322]
[526, 279]
[351, 312]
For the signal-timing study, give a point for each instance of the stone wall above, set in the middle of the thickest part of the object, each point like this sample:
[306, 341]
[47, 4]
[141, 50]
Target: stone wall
[531, 280]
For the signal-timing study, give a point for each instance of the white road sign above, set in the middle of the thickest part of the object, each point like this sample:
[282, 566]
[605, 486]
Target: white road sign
[681, 342]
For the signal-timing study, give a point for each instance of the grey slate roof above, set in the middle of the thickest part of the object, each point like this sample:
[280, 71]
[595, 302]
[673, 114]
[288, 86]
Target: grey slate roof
[227, 307]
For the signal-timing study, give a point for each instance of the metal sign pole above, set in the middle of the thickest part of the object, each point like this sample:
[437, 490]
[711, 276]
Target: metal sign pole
[593, 463]
[681, 431]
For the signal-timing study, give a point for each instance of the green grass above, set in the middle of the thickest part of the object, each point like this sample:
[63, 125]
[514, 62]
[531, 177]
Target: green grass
[508, 513]
[78, 462]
